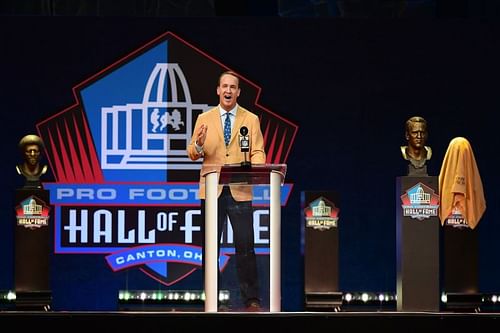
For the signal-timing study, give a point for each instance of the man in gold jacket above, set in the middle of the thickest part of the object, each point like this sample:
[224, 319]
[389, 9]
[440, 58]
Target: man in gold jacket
[216, 140]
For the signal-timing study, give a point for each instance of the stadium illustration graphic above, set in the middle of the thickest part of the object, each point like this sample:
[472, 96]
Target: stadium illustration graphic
[156, 114]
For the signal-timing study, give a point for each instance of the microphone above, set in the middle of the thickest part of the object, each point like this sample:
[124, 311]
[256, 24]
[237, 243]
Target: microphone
[244, 144]
[244, 140]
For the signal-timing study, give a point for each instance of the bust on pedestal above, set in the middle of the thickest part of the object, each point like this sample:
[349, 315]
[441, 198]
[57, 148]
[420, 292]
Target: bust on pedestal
[416, 152]
[417, 225]
[32, 231]
[31, 146]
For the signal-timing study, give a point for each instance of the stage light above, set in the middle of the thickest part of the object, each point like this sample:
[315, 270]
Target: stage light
[223, 297]
[444, 298]
[368, 301]
[11, 296]
[123, 296]
[37, 301]
[169, 299]
[7, 296]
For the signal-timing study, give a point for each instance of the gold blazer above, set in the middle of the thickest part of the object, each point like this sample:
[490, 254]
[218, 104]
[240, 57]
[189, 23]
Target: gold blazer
[215, 152]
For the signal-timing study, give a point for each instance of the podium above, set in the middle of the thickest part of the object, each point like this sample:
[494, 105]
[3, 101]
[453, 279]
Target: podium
[32, 249]
[417, 236]
[236, 174]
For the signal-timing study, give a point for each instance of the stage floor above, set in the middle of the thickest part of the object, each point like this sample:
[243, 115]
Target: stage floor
[286, 321]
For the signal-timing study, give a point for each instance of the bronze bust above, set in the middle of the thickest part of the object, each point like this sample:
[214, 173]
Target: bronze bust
[31, 147]
[416, 152]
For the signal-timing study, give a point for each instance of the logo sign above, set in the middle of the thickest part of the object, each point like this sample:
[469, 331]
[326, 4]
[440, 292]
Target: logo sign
[32, 213]
[125, 186]
[420, 202]
[321, 214]
[456, 219]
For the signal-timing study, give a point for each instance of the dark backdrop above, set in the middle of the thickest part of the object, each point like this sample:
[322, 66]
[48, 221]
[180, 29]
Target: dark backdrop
[349, 84]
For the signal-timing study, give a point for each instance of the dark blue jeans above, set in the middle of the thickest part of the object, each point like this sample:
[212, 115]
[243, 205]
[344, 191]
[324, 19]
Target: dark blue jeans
[240, 214]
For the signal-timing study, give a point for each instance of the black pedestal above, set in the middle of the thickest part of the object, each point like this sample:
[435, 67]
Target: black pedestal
[32, 249]
[321, 250]
[460, 268]
[460, 260]
[417, 233]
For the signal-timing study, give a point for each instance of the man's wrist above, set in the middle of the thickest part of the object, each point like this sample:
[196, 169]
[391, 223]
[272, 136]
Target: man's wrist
[199, 148]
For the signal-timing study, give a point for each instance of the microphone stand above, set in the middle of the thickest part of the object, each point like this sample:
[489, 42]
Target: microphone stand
[246, 163]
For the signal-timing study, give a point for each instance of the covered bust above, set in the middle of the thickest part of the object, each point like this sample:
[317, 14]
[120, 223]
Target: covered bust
[460, 186]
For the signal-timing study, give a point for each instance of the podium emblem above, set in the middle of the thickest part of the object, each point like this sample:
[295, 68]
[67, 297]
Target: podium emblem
[321, 214]
[32, 213]
[420, 202]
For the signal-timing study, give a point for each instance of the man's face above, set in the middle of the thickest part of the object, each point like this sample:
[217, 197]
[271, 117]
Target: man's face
[417, 135]
[228, 91]
[31, 154]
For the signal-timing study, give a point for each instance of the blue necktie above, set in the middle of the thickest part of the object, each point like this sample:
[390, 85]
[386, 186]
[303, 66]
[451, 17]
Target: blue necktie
[227, 129]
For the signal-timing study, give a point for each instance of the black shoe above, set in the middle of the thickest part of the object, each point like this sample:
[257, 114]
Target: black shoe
[253, 306]
[223, 308]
